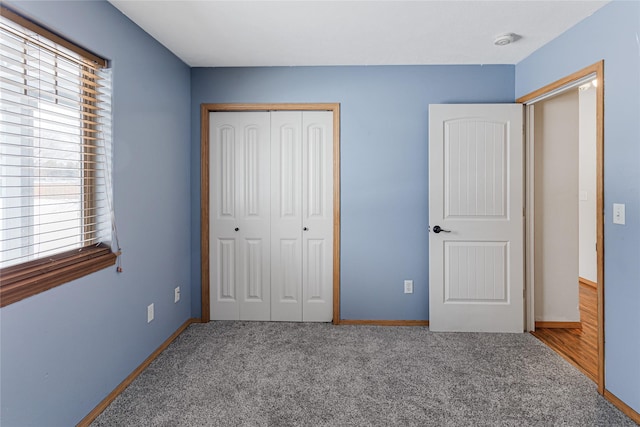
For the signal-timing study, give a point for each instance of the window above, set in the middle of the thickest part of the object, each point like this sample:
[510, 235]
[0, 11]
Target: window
[55, 154]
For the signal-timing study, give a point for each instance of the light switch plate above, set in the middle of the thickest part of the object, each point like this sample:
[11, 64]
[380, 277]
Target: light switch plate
[618, 213]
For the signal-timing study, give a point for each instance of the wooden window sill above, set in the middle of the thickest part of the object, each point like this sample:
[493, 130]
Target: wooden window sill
[24, 280]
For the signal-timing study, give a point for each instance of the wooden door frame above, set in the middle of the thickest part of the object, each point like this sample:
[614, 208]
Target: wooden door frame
[205, 110]
[598, 70]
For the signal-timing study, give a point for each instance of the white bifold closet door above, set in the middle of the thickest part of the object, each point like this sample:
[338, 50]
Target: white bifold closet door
[301, 216]
[239, 214]
[292, 276]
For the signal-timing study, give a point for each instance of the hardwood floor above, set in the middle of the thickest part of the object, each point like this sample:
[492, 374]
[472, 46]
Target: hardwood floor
[578, 346]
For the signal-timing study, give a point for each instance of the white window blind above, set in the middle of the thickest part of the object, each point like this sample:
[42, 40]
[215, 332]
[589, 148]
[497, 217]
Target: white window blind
[55, 148]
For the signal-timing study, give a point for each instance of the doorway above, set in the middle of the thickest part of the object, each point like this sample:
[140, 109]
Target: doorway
[566, 89]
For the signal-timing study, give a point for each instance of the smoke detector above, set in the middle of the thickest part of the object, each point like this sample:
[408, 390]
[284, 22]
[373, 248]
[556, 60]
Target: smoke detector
[505, 39]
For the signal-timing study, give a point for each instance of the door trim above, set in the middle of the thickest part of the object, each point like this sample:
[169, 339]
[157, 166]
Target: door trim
[205, 109]
[598, 70]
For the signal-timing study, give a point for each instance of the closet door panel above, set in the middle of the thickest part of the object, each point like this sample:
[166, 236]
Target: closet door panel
[254, 204]
[239, 215]
[286, 216]
[317, 212]
[223, 181]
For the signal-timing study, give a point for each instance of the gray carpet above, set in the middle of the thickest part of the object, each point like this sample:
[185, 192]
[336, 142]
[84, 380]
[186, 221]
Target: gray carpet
[295, 374]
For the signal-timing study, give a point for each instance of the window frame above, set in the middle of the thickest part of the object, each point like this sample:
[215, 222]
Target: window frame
[29, 278]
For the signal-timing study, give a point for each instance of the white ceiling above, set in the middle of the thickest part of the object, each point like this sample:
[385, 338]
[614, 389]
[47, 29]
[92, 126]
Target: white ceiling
[213, 33]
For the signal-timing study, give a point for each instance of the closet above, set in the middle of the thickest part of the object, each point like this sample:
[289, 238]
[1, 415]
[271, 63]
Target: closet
[271, 215]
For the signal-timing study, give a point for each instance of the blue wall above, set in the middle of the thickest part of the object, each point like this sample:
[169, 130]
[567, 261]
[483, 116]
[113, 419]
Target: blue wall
[64, 350]
[384, 187]
[612, 34]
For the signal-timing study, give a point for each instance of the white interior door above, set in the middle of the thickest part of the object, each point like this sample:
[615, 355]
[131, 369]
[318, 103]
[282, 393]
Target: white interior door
[239, 216]
[476, 253]
[286, 216]
[317, 211]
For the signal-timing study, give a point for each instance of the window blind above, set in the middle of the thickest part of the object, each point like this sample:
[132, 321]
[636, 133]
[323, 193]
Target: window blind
[55, 148]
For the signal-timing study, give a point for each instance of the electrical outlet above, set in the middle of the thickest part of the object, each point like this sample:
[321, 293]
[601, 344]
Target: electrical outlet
[408, 286]
[149, 312]
[618, 213]
[176, 294]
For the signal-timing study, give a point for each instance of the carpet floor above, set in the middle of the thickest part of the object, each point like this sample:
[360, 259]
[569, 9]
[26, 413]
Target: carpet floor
[304, 374]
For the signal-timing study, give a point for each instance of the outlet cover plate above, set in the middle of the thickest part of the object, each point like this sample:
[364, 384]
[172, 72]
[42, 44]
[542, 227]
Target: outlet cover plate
[408, 286]
[150, 314]
[176, 294]
[618, 213]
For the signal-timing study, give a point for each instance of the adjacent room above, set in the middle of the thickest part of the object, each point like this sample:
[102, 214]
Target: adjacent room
[319, 212]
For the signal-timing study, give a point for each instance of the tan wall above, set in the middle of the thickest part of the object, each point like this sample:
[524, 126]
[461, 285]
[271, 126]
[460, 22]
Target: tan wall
[556, 208]
[588, 264]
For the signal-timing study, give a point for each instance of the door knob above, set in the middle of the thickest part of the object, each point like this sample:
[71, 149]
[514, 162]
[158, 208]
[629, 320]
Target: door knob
[438, 229]
[306, 228]
[237, 229]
